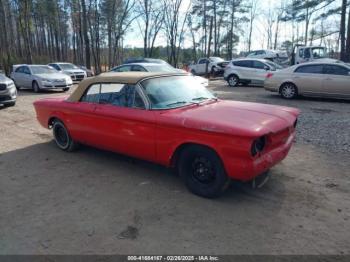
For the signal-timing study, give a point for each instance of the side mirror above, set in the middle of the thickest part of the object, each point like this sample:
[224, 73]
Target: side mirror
[266, 68]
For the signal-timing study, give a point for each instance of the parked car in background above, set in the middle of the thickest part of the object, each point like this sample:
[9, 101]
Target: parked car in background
[311, 79]
[216, 66]
[144, 60]
[172, 120]
[89, 72]
[73, 71]
[40, 77]
[248, 71]
[277, 56]
[152, 67]
[8, 91]
[302, 54]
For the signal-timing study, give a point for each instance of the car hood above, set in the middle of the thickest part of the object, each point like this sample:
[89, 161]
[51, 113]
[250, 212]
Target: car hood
[77, 70]
[232, 117]
[53, 76]
[4, 79]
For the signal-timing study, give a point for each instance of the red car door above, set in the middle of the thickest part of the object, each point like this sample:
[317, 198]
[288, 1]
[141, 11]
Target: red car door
[122, 124]
[82, 119]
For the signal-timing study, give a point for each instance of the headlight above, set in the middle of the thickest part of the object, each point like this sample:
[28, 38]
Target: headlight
[295, 123]
[258, 145]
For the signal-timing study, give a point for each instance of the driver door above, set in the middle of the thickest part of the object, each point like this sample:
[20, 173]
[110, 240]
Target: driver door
[26, 77]
[123, 123]
[202, 66]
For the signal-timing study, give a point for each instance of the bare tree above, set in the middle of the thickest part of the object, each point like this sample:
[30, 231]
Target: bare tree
[174, 22]
[253, 5]
[151, 14]
[342, 30]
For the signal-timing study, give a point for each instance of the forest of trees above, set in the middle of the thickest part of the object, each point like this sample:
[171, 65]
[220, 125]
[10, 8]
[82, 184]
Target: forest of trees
[95, 33]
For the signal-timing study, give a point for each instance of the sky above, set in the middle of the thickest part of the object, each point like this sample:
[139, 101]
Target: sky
[134, 36]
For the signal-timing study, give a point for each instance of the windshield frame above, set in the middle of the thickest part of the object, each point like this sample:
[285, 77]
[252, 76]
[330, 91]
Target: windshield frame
[189, 103]
[173, 69]
[216, 59]
[319, 48]
[34, 67]
[62, 66]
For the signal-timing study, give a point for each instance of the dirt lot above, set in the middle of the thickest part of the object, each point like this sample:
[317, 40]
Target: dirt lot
[93, 201]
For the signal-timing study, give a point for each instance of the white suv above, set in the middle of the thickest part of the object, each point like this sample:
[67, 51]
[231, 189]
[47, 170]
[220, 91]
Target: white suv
[248, 71]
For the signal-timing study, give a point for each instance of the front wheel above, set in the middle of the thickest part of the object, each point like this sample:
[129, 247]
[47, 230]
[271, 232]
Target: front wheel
[36, 87]
[10, 104]
[233, 80]
[202, 171]
[62, 138]
[288, 91]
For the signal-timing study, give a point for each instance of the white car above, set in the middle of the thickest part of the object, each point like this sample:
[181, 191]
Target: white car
[40, 77]
[216, 65]
[8, 92]
[153, 67]
[248, 71]
[76, 73]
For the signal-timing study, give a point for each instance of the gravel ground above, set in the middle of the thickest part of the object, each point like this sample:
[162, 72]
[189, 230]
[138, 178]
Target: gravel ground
[97, 202]
[324, 123]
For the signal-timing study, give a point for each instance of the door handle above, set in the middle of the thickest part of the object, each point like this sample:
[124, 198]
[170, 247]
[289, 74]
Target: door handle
[297, 77]
[329, 78]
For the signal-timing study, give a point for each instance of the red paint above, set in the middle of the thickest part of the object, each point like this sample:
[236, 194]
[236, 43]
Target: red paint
[227, 127]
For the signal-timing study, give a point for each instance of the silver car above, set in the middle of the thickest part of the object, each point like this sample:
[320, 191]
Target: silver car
[8, 92]
[330, 80]
[40, 77]
[76, 73]
[154, 67]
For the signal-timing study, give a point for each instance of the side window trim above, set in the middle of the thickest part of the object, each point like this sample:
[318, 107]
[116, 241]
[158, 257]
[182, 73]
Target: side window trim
[138, 89]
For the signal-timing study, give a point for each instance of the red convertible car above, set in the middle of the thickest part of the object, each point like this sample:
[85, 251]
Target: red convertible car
[171, 119]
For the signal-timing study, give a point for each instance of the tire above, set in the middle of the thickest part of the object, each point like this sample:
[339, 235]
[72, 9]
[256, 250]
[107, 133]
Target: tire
[36, 87]
[65, 89]
[10, 104]
[193, 72]
[233, 80]
[202, 171]
[62, 138]
[288, 91]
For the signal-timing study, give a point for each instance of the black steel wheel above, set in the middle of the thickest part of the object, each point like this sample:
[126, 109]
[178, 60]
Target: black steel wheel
[202, 171]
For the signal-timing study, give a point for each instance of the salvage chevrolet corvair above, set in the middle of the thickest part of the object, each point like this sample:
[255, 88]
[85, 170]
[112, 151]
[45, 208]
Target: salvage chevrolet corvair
[171, 119]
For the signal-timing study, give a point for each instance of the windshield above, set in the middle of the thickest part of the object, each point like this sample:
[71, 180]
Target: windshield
[216, 59]
[161, 68]
[42, 70]
[273, 65]
[319, 52]
[68, 66]
[175, 91]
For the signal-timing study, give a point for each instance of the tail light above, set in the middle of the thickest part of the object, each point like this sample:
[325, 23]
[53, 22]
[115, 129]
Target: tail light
[269, 75]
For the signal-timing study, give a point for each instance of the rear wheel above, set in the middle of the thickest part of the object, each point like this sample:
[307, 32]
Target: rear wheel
[288, 91]
[233, 80]
[202, 171]
[62, 138]
[36, 87]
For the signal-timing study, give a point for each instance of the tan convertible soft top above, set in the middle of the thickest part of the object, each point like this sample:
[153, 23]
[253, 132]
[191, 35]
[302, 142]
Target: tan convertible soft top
[111, 77]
